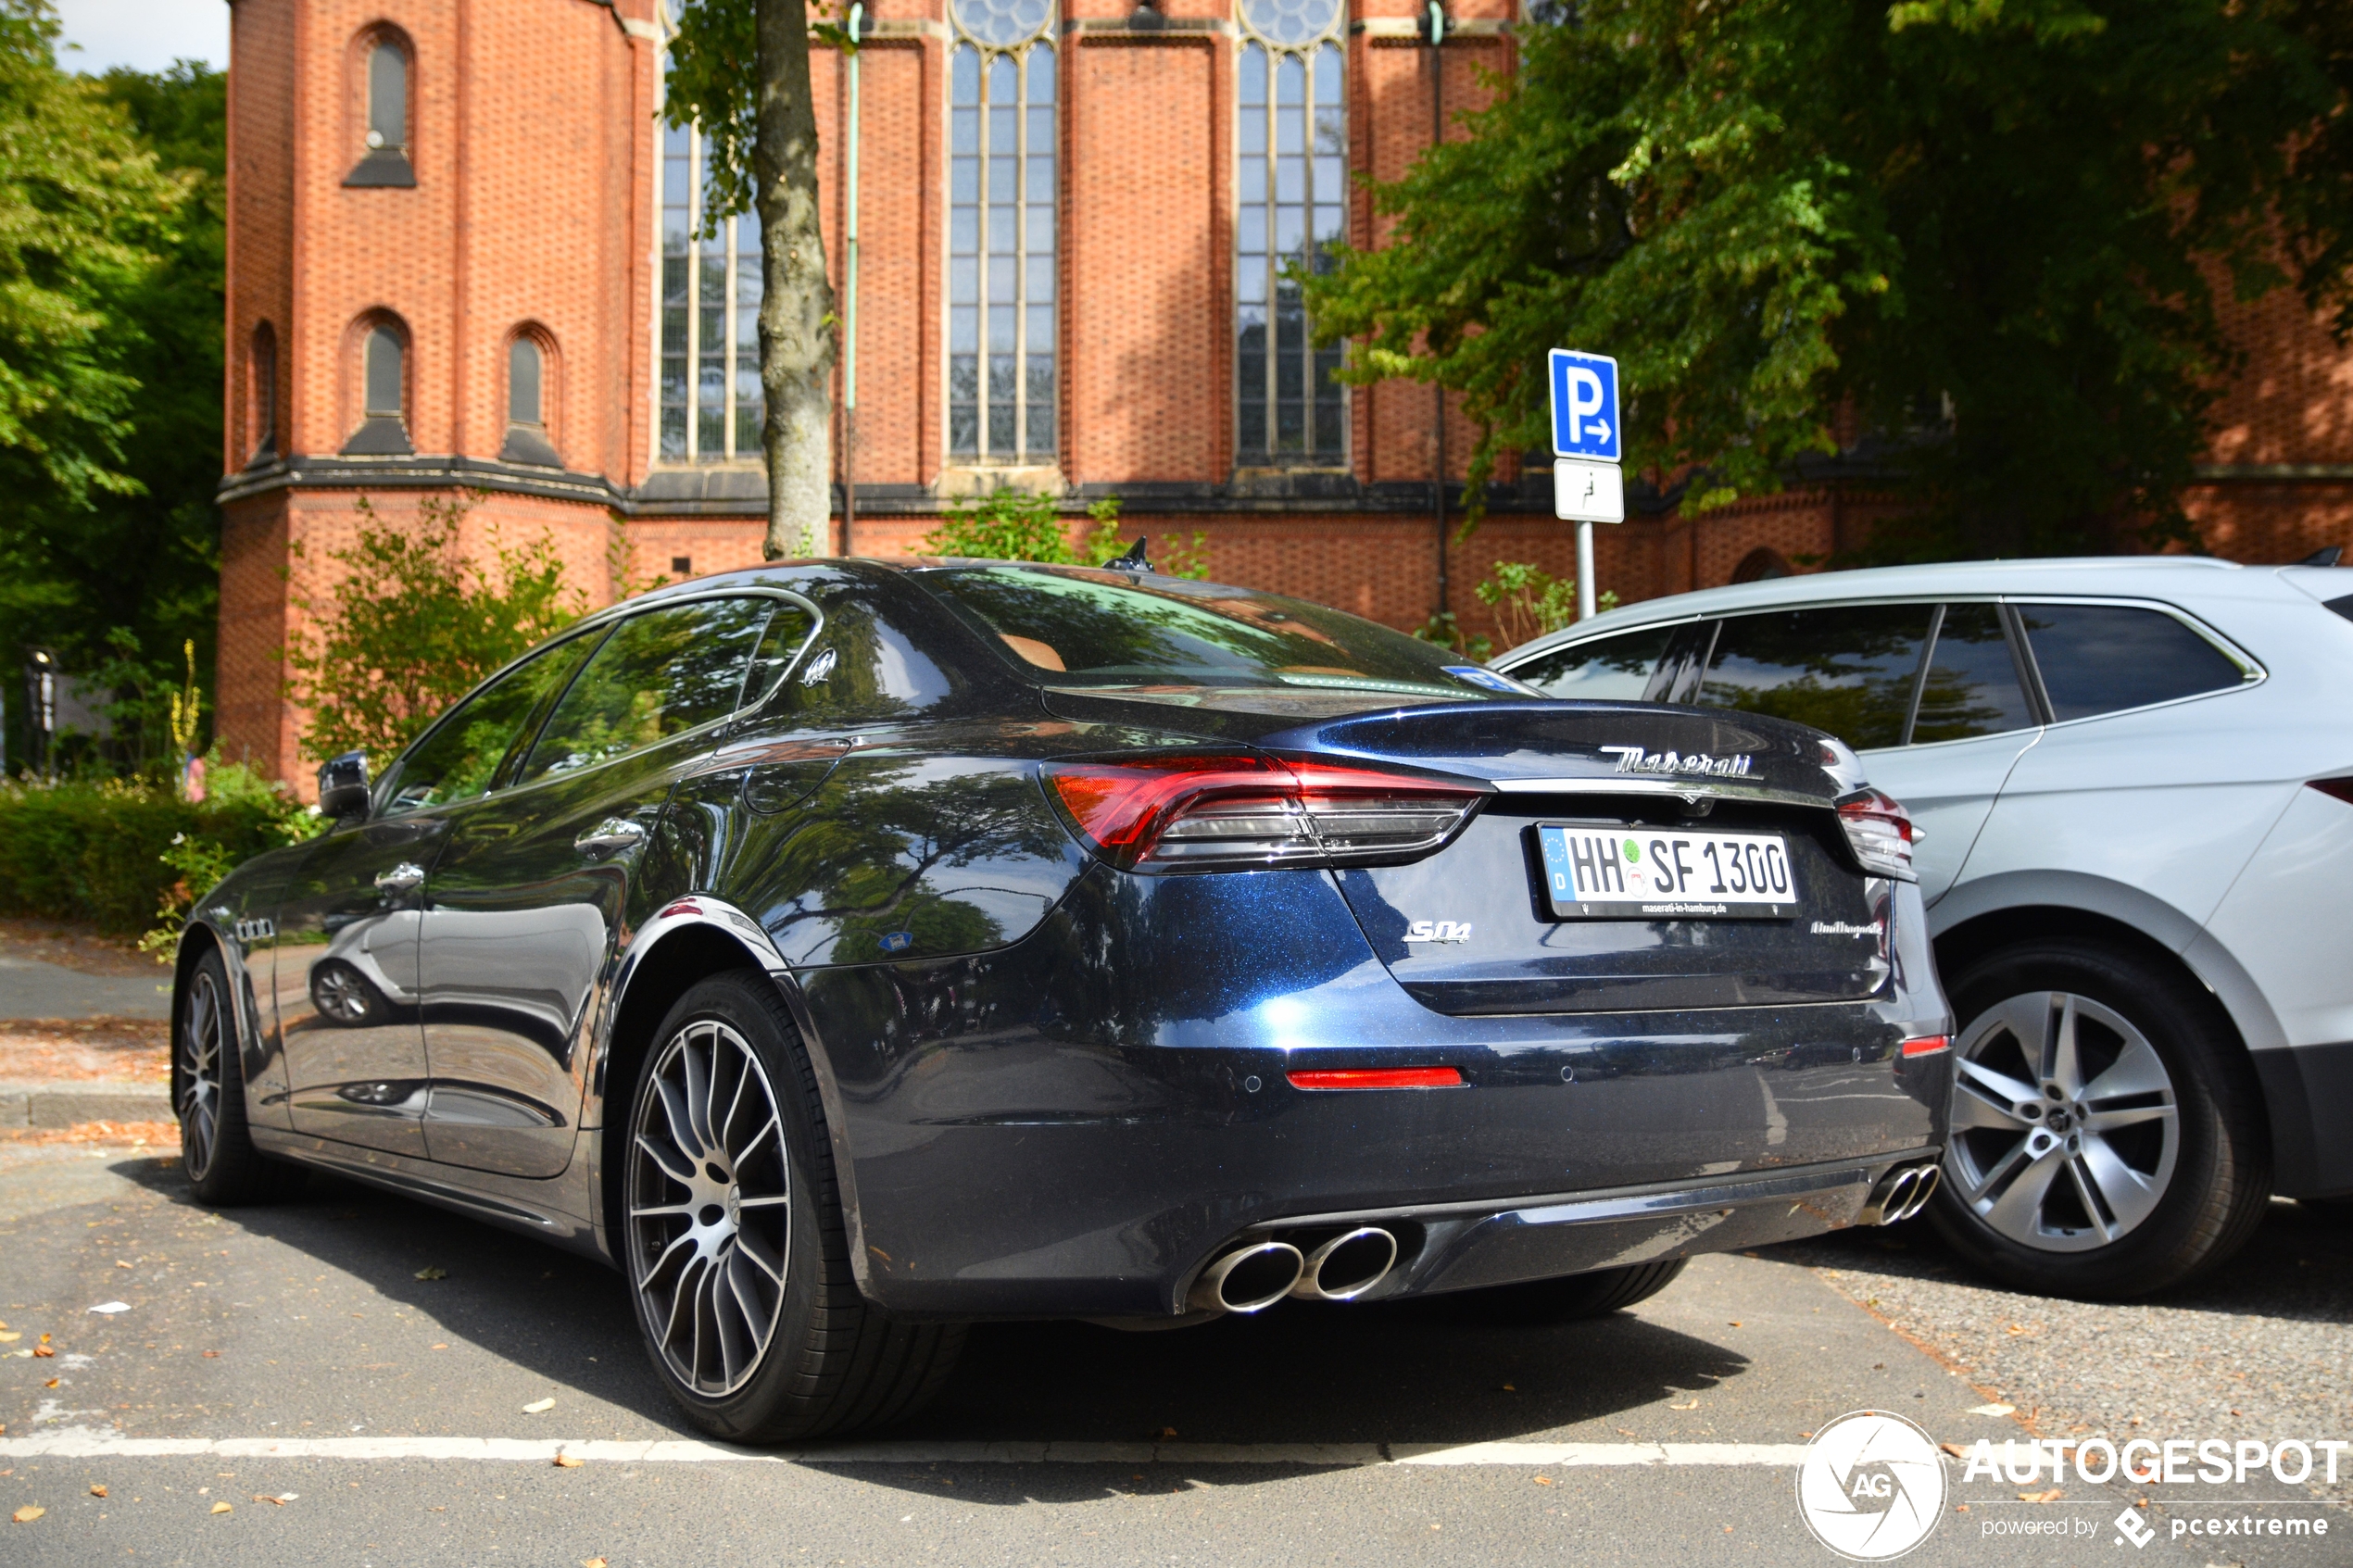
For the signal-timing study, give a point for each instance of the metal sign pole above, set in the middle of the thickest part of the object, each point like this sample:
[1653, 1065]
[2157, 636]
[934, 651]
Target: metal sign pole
[1585, 568]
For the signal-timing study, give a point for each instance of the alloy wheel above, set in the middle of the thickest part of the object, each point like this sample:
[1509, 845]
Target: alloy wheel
[710, 1207]
[2066, 1127]
[203, 1043]
[340, 992]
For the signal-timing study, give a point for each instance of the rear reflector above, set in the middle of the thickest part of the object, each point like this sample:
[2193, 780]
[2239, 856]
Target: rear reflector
[1928, 1045]
[1377, 1078]
[1882, 835]
[1229, 812]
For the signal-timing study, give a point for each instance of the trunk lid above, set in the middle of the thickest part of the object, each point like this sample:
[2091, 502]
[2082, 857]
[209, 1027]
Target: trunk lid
[1472, 930]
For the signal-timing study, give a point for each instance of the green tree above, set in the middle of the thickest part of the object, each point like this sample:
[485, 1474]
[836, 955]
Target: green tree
[90, 227]
[1997, 232]
[409, 624]
[739, 70]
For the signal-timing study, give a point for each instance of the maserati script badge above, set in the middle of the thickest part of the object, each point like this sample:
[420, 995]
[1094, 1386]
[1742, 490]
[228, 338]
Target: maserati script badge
[1634, 759]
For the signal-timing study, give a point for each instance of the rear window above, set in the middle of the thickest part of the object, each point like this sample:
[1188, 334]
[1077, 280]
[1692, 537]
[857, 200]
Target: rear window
[2102, 659]
[1074, 626]
[1971, 688]
[1606, 670]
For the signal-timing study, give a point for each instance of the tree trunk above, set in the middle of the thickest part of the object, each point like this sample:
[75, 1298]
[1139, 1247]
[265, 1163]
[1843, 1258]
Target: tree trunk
[796, 303]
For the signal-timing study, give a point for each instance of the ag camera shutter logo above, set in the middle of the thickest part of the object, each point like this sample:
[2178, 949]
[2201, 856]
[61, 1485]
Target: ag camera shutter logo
[1871, 1486]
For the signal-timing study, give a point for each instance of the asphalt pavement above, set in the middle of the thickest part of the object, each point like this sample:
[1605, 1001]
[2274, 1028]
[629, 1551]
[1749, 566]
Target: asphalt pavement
[33, 987]
[290, 1362]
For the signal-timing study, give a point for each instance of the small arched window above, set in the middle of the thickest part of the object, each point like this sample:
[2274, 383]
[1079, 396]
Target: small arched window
[526, 406]
[1760, 564]
[261, 394]
[384, 389]
[384, 85]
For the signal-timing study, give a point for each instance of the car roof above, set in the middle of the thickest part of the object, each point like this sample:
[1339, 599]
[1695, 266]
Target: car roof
[2164, 577]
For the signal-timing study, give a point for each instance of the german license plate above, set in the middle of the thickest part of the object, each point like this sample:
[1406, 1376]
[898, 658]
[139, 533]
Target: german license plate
[1610, 871]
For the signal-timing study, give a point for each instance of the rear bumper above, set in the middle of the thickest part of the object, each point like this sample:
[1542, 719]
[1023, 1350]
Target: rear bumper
[1468, 1246]
[1075, 1125]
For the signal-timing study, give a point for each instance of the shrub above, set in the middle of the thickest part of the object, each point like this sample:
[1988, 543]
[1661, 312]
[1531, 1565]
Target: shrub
[112, 854]
[1016, 525]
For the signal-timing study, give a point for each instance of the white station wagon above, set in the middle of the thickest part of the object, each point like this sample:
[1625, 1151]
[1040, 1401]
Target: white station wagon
[2132, 780]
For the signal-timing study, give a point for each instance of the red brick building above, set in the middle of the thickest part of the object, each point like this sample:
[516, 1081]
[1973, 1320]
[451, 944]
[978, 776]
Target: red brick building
[463, 253]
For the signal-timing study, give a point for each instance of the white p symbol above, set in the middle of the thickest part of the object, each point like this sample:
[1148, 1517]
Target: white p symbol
[1584, 398]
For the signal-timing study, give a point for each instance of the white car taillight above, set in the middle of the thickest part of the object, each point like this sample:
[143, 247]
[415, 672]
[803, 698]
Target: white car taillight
[1232, 812]
[1880, 833]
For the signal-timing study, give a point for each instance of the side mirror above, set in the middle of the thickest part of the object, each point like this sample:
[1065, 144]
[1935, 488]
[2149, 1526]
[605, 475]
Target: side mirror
[343, 786]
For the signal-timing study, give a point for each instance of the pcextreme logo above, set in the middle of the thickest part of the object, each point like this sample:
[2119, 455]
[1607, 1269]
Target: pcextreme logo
[1871, 1486]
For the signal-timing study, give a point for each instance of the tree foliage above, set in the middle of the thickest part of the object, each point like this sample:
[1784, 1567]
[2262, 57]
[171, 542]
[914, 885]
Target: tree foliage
[1998, 233]
[1016, 525]
[111, 246]
[409, 624]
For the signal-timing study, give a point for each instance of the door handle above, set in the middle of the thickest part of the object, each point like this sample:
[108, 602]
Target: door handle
[612, 835]
[401, 878]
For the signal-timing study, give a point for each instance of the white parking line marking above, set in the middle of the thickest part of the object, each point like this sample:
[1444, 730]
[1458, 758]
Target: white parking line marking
[82, 1443]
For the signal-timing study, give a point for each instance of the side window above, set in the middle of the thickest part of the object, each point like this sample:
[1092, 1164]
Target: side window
[1606, 670]
[660, 674]
[1848, 669]
[1971, 686]
[460, 757]
[788, 627]
[2099, 658]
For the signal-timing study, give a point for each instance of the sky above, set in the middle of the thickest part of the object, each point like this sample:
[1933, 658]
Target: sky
[144, 35]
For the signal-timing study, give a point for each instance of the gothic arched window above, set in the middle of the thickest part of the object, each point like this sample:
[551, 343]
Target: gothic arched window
[1001, 232]
[1293, 183]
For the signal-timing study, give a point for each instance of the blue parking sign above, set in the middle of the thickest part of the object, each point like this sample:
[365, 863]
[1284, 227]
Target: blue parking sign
[1585, 405]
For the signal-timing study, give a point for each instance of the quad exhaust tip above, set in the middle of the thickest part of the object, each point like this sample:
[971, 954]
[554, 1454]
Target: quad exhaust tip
[1249, 1279]
[1900, 1195]
[1347, 1266]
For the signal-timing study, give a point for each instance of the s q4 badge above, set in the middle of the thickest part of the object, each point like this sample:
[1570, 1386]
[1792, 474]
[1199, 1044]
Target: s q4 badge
[1439, 931]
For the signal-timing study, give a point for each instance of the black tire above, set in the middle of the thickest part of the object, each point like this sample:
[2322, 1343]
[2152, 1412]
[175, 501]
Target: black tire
[1570, 1299]
[2197, 1210]
[209, 1099]
[832, 1363]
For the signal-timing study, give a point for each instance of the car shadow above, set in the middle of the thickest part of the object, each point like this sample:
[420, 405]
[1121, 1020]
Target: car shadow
[2298, 1265]
[1300, 1372]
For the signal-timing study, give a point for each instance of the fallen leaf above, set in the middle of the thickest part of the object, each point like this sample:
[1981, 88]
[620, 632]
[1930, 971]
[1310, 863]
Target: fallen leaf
[51, 1384]
[9, 1337]
[42, 1349]
[210, 1355]
[432, 1274]
[1953, 1448]
[536, 1406]
[1543, 1480]
[121, 1264]
[1991, 1410]
[566, 1462]
[2052, 1496]
[222, 1507]
[1506, 1388]
[265, 1496]
[1960, 1508]
[110, 1308]
[28, 1513]
[443, 1347]
[97, 1490]
[1692, 1406]
[1735, 1323]
[1168, 1432]
[592, 1563]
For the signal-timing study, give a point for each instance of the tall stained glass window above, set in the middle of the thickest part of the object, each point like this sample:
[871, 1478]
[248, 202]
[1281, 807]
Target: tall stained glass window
[1001, 232]
[1293, 207]
[709, 387]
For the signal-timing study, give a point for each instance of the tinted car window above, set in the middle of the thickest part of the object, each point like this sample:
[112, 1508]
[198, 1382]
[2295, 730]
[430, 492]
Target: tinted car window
[788, 627]
[657, 674]
[460, 757]
[1607, 670]
[1848, 669]
[1073, 626]
[2097, 659]
[1971, 686]
[864, 667]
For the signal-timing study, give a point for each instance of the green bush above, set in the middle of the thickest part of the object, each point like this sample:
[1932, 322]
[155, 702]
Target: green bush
[113, 854]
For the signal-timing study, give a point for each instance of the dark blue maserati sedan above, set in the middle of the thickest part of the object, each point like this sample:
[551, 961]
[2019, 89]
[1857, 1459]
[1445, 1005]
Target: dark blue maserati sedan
[850, 950]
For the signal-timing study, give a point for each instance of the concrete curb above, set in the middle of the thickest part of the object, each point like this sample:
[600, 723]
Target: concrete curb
[69, 1105]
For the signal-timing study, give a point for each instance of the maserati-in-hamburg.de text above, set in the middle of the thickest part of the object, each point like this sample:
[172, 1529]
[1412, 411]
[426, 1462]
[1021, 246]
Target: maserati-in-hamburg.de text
[848, 951]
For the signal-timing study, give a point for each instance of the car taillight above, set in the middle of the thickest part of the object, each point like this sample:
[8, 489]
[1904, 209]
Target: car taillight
[1927, 1045]
[1232, 811]
[2338, 789]
[1879, 833]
